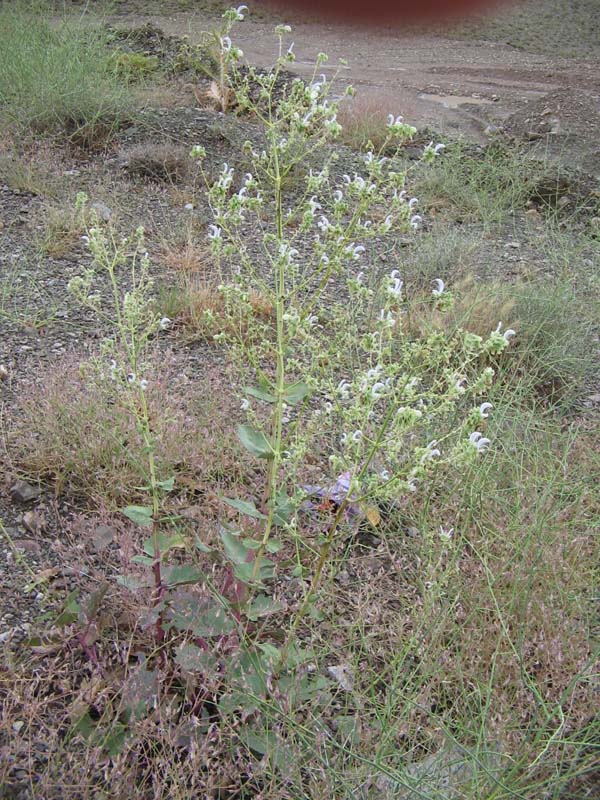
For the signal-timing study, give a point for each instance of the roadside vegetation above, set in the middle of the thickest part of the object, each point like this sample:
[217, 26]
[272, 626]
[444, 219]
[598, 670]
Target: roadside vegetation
[311, 500]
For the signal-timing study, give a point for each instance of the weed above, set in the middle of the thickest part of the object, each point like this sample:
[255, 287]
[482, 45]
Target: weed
[364, 119]
[486, 186]
[157, 162]
[133, 67]
[58, 78]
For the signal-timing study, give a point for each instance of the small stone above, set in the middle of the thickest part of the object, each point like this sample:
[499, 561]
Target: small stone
[103, 536]
[28, 546]
[102, 211]
[3, 372]
[34, 521]
[491, 130]
[23, 492]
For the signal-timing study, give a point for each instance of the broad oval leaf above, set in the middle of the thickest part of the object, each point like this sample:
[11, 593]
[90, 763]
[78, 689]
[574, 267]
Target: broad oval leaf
[141, 515]
[181, 575]
[255, 441]
[244, 507]
[260, 394]
[296, 392]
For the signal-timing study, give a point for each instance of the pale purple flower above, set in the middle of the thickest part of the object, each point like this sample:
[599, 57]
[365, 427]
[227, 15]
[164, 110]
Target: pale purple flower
[479, 441]
[484, 409]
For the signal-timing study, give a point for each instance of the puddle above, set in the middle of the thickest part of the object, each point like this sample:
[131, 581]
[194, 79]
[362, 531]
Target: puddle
[455, 100]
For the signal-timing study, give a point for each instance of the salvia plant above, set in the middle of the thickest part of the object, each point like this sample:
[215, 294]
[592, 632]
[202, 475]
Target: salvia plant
[355, 392]
[349, 358]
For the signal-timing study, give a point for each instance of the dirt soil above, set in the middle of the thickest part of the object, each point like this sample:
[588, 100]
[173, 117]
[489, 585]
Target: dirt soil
[467, 80]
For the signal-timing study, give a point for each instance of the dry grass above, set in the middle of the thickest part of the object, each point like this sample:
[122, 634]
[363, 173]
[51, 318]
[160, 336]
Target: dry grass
[164, 163]
[73, 435]
[364, 118]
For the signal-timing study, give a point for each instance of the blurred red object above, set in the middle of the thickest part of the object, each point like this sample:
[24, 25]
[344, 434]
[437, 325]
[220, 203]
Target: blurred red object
[378, 11]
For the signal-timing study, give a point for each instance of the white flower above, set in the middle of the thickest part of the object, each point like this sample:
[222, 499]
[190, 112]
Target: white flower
[323, 223]
[439, 287]
[324, 260]
[214, 232]
[354, 250]
[460, 385]
[287, 252]
[131, 377]
[507, 335]
[415, 220]
[313, 204]
[226, 43]
[165, 323]
[239, 11]
[245, 404]
[384, 475]
[343, 438]
[374, 372]
[377, 390]
[189, 206]
[395, 287]
[386, 224]
[479, 442]
[338, 196]
[412, 203]
[432, 451]
[357, 436]
[394, 121]
[483, 410]
[446, 535]
[343, 388]
[143, 384]
[388, 317]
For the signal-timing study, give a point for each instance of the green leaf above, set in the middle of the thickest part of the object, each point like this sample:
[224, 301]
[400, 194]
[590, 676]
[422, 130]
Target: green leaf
[193, 659]
[284, 508]
[262, 606]
[165, 543]
[133, 583]
[199, 544]
[141, 515]
[214, 622]
[244, 507]
[167, 485]
[180, 575]
[295, 393]
[70, 611]
[260, 394]
[248, 572]
[255, 441]
[235, 550]
[115, 741]
[237, 701]
[146, 561]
